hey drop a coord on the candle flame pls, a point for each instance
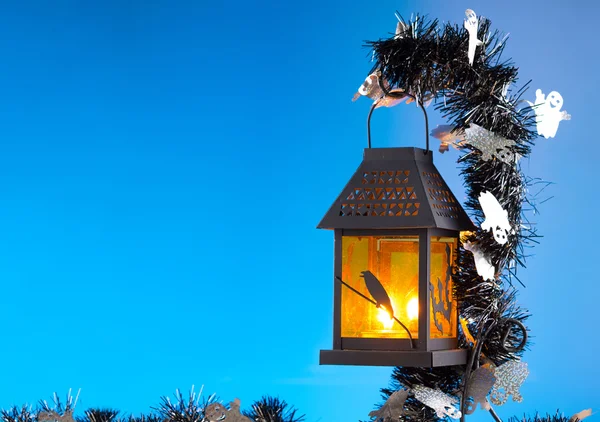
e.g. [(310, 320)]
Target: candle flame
[(412, 309)]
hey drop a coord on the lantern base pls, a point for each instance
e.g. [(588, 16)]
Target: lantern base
[(408, 358)]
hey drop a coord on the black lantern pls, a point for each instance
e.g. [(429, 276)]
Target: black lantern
[(396, 226)]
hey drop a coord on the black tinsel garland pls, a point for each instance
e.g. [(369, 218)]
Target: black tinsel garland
[(430, 61)]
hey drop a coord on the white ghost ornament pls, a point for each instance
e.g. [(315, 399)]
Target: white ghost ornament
[(496, 218), (442, 403), (484, 268), (471, 24), (547, 113)]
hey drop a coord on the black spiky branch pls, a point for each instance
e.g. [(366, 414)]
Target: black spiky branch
[(99, 415), (429, 60), (18, 414), (273, 409), (182, 410)]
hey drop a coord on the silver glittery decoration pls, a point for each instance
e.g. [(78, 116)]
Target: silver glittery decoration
[(490, 144), (393, 408), (481, 382), (442, 403), (509, 378)]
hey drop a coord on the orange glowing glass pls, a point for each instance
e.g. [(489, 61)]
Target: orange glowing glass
[(394, 261)]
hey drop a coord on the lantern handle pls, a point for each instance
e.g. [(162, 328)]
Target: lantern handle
[(412, 342), (397, 93)]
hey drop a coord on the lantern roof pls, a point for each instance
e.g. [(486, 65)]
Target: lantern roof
[(396, 188)]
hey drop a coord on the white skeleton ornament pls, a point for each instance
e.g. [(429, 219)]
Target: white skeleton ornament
[(471, 24), (547, 113), (442, 403), (496, 218)]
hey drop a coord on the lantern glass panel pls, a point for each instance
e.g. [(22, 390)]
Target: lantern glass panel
[(394, 261), (443, 312)]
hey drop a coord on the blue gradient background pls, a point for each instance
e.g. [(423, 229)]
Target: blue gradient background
[(163, 166)]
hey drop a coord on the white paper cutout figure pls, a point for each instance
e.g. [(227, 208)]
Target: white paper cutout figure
[(216, 412), (401, 28), (389, 101), (484, 268), (579, 416), (509, 378), (370, 87), (442, 403), (471, 24), (481, 382), (446, 137), (426, 100), (547, 113), (393, 408), (496, 218)]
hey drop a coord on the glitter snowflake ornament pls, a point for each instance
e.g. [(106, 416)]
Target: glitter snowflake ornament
[(509, 378), (393, 408), (442, 403), (490, 144), (496, 218), (471, 23), (547, 113), (481, 382)]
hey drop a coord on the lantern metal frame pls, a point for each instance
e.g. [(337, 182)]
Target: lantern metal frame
[(360, 210)]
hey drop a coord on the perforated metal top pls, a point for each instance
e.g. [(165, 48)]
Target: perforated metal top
[(395, 188)]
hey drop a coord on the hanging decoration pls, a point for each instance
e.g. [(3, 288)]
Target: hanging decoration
[(547, 113), (509, 378), (484, 267), (471, 23), (459, 67), (442, 403), (216, 412), (480, 384), (393, 408), (447, 137), (496, 218), (370, 88), (581, 415), (490, 144)]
